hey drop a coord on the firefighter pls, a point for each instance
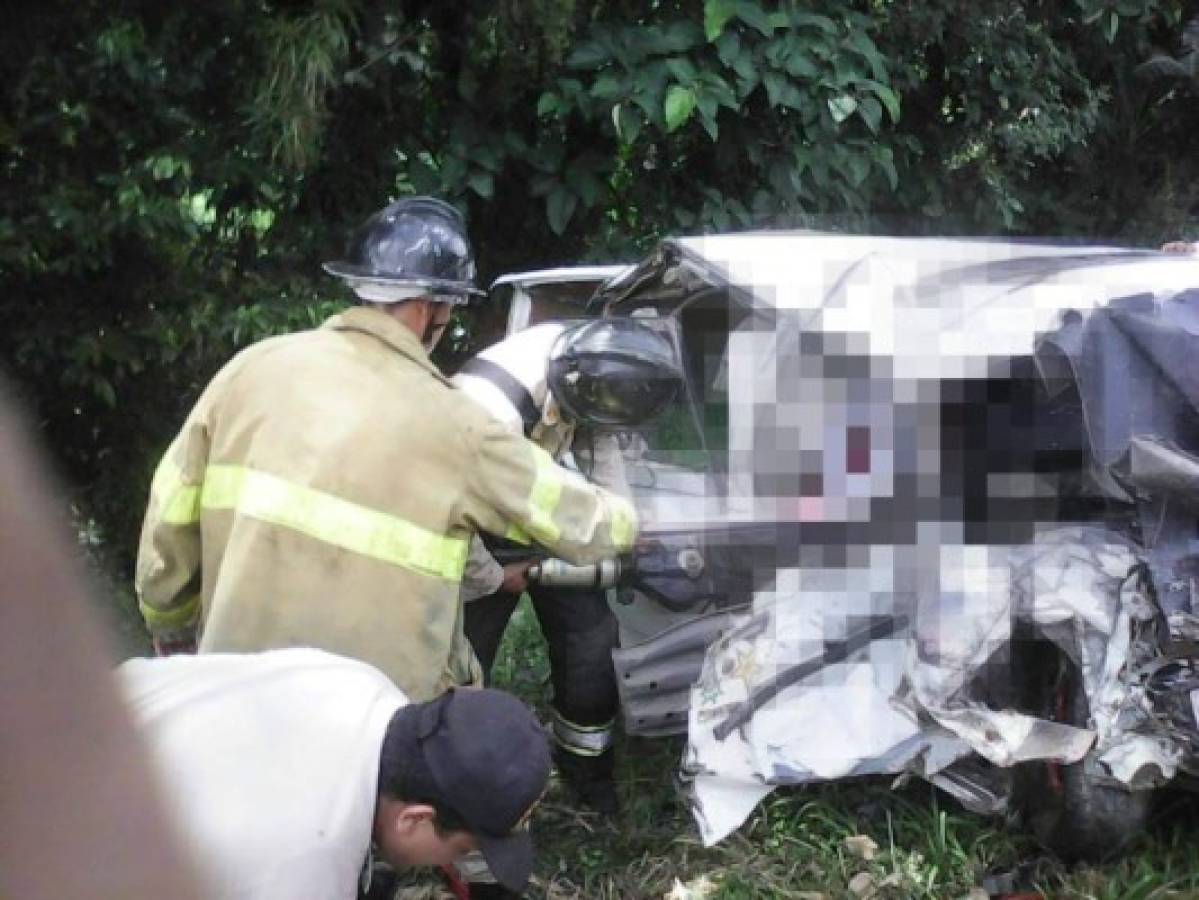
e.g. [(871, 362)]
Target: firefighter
[(325, 487), (569, 388)]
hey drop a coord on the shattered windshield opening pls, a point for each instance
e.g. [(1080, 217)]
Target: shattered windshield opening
[(693, 433)]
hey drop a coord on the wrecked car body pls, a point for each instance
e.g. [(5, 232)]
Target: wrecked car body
[(927, 508)]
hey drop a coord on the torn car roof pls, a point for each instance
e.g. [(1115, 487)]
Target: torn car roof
[(936, 305)]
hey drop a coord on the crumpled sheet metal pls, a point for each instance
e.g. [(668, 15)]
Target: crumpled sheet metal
[(839, 720), (1078, 587), (1133, 364), (654, 679), (907, 702)]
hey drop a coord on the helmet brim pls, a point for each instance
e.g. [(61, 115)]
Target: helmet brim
[(361, 276)]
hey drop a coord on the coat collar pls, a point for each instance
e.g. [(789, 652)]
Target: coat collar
[(383, 327)]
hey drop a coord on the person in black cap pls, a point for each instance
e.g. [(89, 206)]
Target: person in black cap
[(480, 761), (288, 770)]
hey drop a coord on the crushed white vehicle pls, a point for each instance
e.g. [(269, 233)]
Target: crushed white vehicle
[(928, 506)]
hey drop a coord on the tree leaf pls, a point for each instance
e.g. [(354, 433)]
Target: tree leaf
[(682, 69), (777, 50), (589, 55), (842, 107), (800, 65), (559, 207), (1113, 25), (716, 16), (824, 23), (488, 157), (163, 167), (649, 104), (728, 48), (871, 112), (886, 160), (453, 170), (104, 390), (746, 68), (630, 124), (859, 169), (775, 85), (587, 187), (424, 177), (751, 14), (547, 104), (680, 103), (681, 36), (607, 87), (865, 47), (627, 122), (482, 184), (779, 176), (719, 89), (888, 97)]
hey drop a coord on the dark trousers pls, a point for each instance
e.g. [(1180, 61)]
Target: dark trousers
[(581, 633)]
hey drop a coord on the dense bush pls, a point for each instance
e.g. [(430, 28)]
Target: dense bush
[(171, 175)]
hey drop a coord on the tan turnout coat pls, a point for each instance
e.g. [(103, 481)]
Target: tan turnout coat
[(323, 492)]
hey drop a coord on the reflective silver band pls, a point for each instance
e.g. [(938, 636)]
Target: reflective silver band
[(583, 740)]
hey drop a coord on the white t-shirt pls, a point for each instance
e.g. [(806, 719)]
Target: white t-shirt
[(270, 762)]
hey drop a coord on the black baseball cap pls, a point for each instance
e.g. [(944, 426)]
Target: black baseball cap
[(488, 759)]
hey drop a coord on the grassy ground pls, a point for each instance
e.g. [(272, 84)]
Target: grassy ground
[(860, 840), (855, 840)]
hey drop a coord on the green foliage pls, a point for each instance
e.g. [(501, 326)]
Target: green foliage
[(754, 112), (305, 59), (135, 227), (172, 175)]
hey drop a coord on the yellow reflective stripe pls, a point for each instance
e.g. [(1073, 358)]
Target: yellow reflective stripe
[(171, 619), (544, 498), (624, 523), (178, 503), (517, 535), (335, 521)]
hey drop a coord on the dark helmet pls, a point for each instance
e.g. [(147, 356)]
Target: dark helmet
[(414, 247), (614, 373)]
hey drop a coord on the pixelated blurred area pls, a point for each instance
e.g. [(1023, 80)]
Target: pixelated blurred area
[(880, 438)]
